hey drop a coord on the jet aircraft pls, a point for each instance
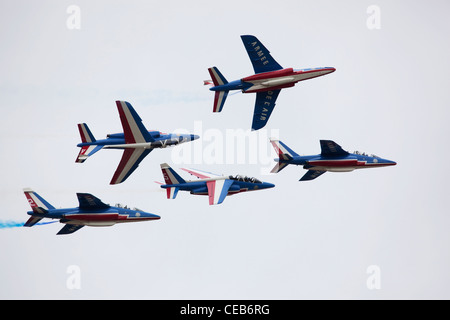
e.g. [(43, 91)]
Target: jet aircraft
[(215, 186), (270, 77), (332, 158), (90, 212), (136, 141)]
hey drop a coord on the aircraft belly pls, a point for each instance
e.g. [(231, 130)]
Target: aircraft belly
[(277, 81), (270, 84), (141, 145), (341, 169), (91, 223), (343, 166), (94, 217), (308, 75), (131, 219)]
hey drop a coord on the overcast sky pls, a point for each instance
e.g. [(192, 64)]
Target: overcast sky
[(389, 96)]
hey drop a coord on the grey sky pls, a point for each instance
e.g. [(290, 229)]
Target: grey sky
[(389, 96)]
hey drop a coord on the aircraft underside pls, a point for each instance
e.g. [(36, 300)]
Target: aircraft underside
[(346, 169), (258, 83)]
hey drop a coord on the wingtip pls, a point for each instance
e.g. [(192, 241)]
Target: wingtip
[(120, 103)]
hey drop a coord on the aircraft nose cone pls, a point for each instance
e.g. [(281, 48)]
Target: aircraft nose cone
[(386, 162), (391, 163), (194, 137), (267, 185), (147, 216)]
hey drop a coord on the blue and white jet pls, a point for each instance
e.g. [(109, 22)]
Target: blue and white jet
[(215, 186), (332, 158), (270, 77), (136, 141), (90, 212)]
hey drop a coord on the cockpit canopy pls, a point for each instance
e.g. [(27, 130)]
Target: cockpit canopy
[(119, 205), (244, 179), (365, 154)]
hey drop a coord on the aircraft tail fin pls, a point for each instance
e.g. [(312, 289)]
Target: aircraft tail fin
[(170, 176), (217, 77), (284, 153), (221, 95), (85, 133), (38, 204), (86, 137)]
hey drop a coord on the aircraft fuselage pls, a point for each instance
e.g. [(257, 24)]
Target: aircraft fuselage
[(100, 218), (273, 80), (339, 164), (117, 141), (199, 187)]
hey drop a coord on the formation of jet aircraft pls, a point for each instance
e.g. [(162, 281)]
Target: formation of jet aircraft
[(137, 142)]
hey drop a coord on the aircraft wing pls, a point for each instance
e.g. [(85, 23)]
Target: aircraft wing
[(201, 174), (331, 149), (312, 174), (129, 162), (260, 57), (70, 228), (133, 128), (88, 202), (218, 190), (264, 105)]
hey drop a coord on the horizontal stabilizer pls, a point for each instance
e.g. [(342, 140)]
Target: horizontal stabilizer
[(312, 174), (219, 96), (172, 192), (32, 221), (219, 100), (279, 166), (86, 152), (70, 228)]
